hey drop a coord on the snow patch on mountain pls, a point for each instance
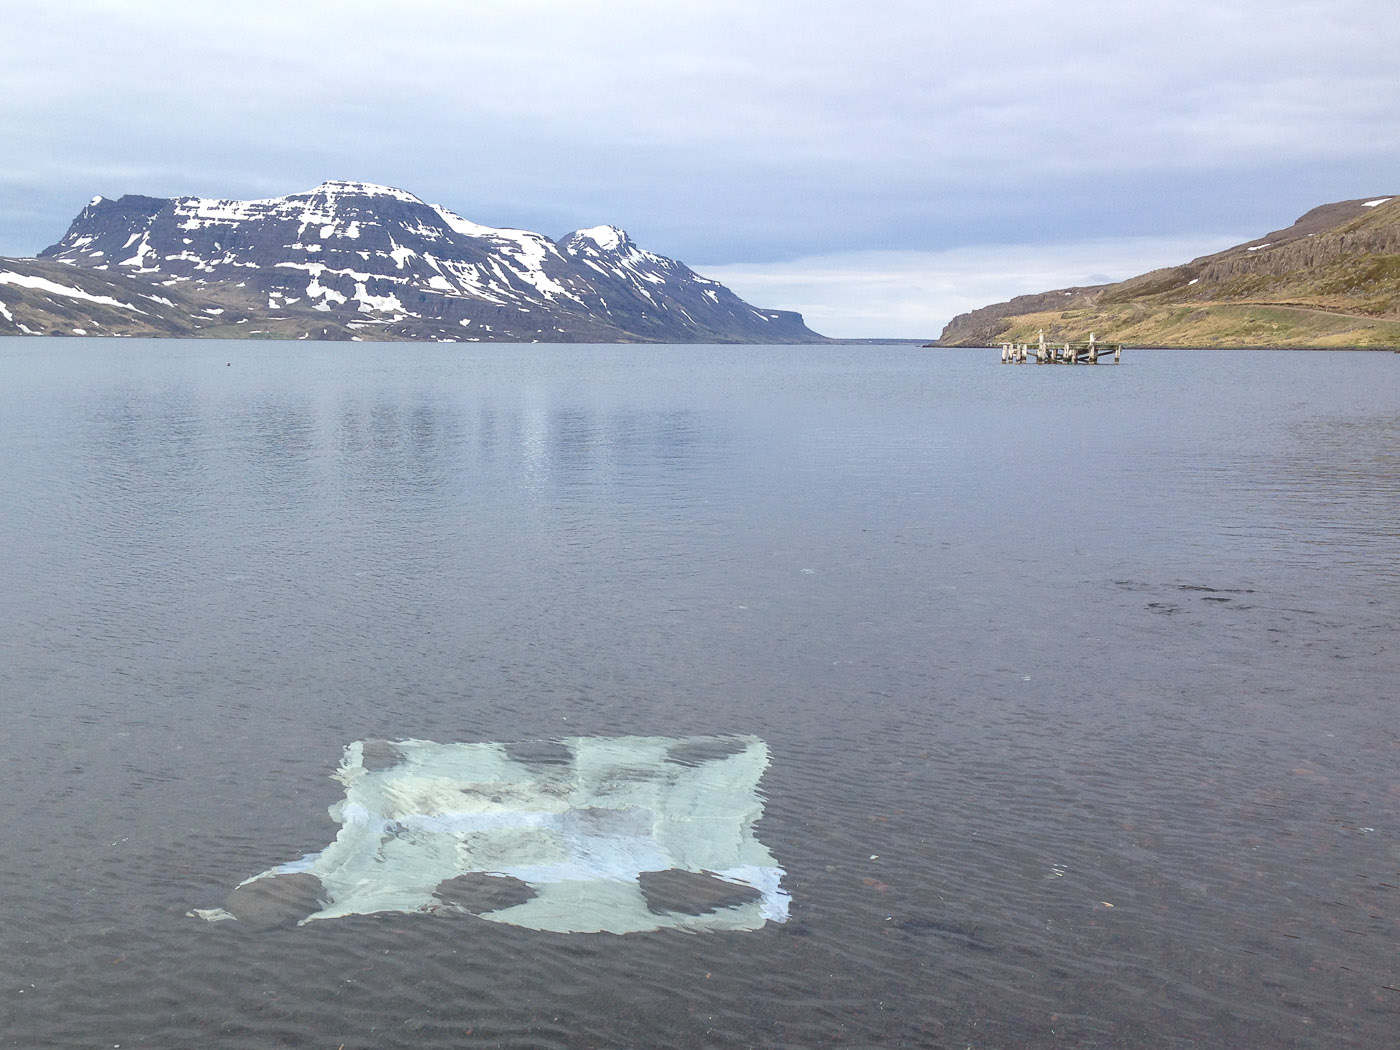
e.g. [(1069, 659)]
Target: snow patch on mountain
[(342, 187), (466, 228), (143, 252), (606, 238), (43, 284), (376, 303)]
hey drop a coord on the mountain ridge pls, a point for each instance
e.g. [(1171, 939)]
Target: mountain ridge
[(358, 260), (1331, 279)]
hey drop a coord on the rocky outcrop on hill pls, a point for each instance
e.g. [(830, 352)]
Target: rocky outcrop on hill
[(355, 260)]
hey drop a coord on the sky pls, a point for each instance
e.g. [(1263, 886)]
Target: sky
[(878, 165)]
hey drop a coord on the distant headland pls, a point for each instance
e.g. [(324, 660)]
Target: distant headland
[(1330, 280)]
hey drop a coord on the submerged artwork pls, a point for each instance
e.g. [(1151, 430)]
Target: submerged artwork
[(589, 834)]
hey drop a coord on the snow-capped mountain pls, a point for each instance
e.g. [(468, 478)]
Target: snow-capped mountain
[(354, 258)]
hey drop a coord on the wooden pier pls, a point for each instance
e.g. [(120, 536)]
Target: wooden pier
[(1085, 352)]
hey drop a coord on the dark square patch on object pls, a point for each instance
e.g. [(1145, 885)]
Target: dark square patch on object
[(697, 752), (539, 753), (479, 892), (379, 754), (278, 900), (680, 892)]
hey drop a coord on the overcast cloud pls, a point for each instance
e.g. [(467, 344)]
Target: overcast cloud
[(879, 165)]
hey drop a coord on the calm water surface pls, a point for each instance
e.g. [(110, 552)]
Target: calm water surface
[(1080, 683)]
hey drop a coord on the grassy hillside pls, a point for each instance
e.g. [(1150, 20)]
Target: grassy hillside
[(1332, 279), (1212, 325)]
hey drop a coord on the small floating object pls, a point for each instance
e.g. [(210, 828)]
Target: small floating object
[(584, 834)]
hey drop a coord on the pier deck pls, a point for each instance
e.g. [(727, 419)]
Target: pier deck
[(1074, 352)]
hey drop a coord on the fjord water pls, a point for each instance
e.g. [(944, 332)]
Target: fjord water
[(1079, 683)]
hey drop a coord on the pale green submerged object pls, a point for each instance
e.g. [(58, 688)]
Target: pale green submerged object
[(586, 834)]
